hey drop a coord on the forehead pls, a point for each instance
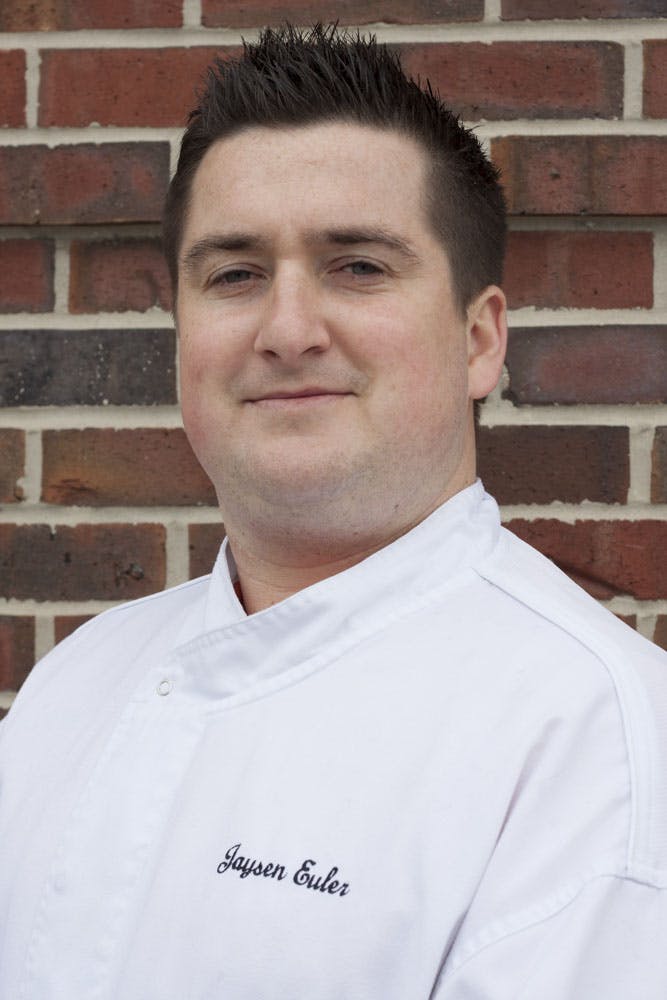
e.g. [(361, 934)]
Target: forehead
[(337, 173)]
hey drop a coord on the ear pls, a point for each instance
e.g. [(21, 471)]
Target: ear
[(487, 341)]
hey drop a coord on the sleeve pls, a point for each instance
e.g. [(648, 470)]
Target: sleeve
[(609, 942)]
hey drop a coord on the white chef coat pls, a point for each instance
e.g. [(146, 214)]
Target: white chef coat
[(439, 774)]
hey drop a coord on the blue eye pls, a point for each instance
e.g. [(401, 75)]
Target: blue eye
[(363, 267), (232, 277)]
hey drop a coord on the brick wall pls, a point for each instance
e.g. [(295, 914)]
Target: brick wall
[(101, 499)]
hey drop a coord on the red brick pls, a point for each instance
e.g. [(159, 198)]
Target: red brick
[(526, 80), (588, 364), (83, 184), (543, 464), (630, 620), (600, 270), (205, 541), (538, 10), (659, 475), (256, 13), (146, 467), (72, 15), (17, 650), (607, 558), (85, 562), (12, 466), (655, 78), (117, 275), (26, 276), (64, 625), (12, 87), (660, 633), (121, 86), (583, 175)]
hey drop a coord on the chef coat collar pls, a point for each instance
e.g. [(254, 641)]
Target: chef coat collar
[(237, 652)]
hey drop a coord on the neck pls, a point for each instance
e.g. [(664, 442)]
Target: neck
[(274, 565)]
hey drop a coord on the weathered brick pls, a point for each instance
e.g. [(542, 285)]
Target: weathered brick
[(117, 275), (87, 367), (83, 184), (64, 625), (17, 650), (12, 87), (599, 270), (660, 633), (145, 467), (655, 77), (659, 474), (121, 86), (204, 541), (26, 275), (538, 10), (526, 79), (256, 13), (12, 464), (583, 175), (73, 15), (607, 558), (588, 364), (85, 562), (542, 464)]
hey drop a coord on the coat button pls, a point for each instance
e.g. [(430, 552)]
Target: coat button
[(164, 687)]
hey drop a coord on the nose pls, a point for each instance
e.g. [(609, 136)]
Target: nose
[(293, 323)]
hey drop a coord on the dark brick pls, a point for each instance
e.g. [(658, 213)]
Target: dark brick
[(659, 474), (655, 77), (122, 86), (538, 10), (85, 562), (660, 633), (607, 558), (583, 175), (83, 184), (581, 270), (73, 15), (117, 275), (26, 275), (87, 367), (12, 87), (12, 465), (256, 13), (64, 625), (17, 650), (145, 467), (543, 464), (524, 79), (205, 541), (588, 364)]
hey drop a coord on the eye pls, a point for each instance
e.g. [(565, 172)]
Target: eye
[(363, 268), (236, 276)]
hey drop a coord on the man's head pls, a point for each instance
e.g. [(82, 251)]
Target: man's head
[(292, 79), (333, 339)]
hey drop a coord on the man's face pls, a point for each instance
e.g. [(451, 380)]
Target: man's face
[(323, 358)]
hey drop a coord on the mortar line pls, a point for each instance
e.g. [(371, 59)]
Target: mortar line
[(33, 60), (641, 445), (633, 80), (44, 635), (192, 13), (177, 553)]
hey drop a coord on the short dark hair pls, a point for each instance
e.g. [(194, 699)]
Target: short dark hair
[(293, 78)]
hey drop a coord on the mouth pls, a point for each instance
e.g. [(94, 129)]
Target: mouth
[(309, 396)]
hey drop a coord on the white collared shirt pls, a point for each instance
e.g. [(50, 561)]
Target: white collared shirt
[(439, 774)]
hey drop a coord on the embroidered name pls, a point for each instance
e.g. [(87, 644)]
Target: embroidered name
[(304, 876)]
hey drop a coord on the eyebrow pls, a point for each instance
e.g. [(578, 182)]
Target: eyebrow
[(235, 242)]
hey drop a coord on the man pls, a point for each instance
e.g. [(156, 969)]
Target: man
[(385, 750)]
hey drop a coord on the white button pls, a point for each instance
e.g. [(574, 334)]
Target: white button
[(164, 687)]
